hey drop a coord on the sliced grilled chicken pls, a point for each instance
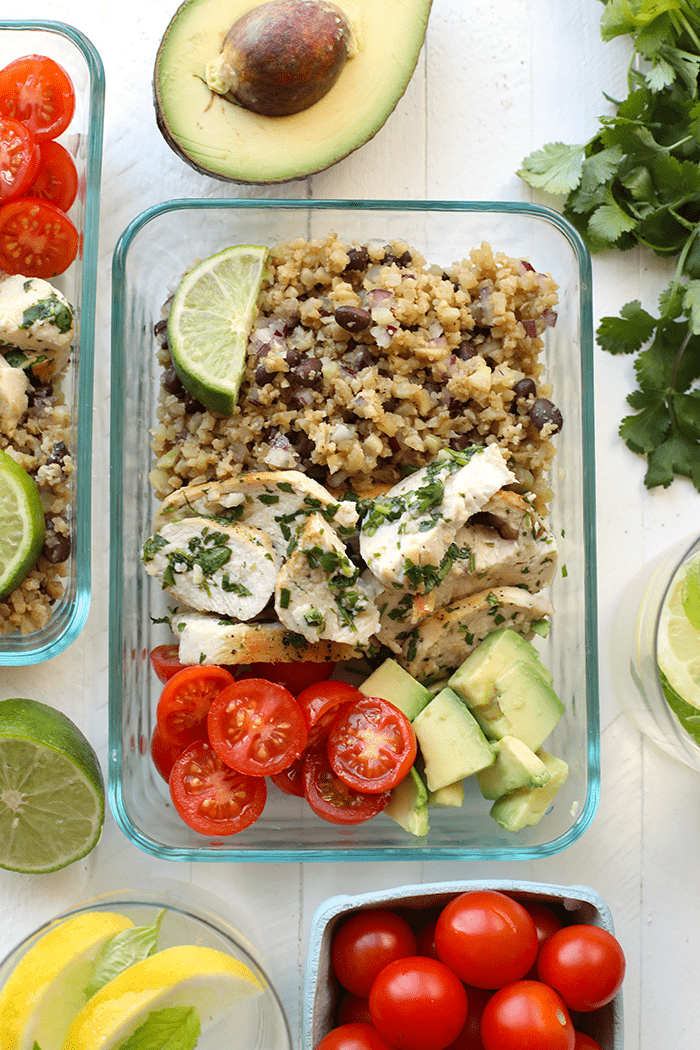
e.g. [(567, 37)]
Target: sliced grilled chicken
[(319, 593), (442, 641), (213, 567), (410, 530), (34, 315), (206, 638), (13, 396), (276, 501)]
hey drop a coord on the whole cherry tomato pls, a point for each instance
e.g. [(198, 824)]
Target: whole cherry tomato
[(365, 943), (355, 1036), (418, 1004), (584, 963), (526, 1015)]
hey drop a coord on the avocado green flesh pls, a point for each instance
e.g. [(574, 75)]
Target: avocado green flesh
[(221, 139)]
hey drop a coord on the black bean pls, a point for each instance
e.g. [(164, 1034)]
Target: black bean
[(171, 382), (359, 259), (56, 547), (405, 259), (58, 453), (262, 376), (353, 318), (466, 350), (292, 357), (192, 405), (525, 387), (160, 330), (308, 373), (460, 442), (544, 412), (39, 395)]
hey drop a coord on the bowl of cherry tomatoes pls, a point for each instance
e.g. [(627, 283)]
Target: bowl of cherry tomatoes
[(51, 131), (479, 965)]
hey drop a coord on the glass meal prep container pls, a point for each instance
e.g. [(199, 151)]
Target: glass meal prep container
[(83, 140), (149, 260)]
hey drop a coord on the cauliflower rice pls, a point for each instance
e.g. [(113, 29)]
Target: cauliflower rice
[(364, 362)]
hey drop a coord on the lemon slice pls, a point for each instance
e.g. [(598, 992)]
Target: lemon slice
[(22, 526), (678, 648), (210, 322), (45, 990), (190, 975)]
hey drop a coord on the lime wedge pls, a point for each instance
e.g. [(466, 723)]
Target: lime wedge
[(45, 990), (22, 527), (210, 321), (189, 975), (678, 647), (51, 788)]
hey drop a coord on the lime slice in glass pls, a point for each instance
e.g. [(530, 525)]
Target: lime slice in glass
[(678, 643), (51, 788), (22, 527), (210, 321)]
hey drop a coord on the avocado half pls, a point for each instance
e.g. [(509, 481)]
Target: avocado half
[(221, 139)]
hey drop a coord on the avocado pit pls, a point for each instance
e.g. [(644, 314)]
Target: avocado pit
[(283, 57)]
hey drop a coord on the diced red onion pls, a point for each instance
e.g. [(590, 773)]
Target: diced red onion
[(305, 396), (380, 297), (549, 317), (530, 327)]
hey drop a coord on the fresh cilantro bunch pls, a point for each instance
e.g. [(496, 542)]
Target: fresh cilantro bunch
[(637, 182)]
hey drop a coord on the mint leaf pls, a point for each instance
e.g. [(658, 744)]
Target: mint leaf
[(173, 1028), (122, 950), (687, 715), (555, 168)]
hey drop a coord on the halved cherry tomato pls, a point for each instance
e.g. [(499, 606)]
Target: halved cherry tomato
[(371, 745), (256, 727), (19, 159), (365, 943), (291, 779), (210, 797), (165, 661), (293, 676), (526, 1015), (57, 179), (418, 1004), (333, 800), (163, 754), (36, 238), (320, 704), (584, 963), (185, 701), (39, 92)]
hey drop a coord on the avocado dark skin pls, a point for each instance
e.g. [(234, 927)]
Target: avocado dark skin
[(286, 55)]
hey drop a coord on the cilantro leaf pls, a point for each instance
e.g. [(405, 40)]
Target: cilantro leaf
[(555, 168), (627, 333)]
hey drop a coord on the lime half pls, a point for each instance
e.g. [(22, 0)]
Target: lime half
[(22, 527), (678, 645), (210, 321), (51, 789)]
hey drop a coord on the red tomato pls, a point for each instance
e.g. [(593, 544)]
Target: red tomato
[(355, 1036), (426, 940), (418, 1004), (163, 754), (185, 701), (321, 702), (584, 963), (37, 239), (470, 1036), (526, 1015), (57, 179), (19, 159), (487, 938), (371, 745), (257, 727), (293, 676), (165, 662), (210, 797), (365, 943), (546, 921), (353, 1008), (585, 1042), (291, 779), (333, 800), (39, 92)]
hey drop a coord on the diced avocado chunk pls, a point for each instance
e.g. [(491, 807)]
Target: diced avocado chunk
[(526, 806), (449, 795), (508, 689), (391, 682), (408, 804), (450, 740), (516, 766)]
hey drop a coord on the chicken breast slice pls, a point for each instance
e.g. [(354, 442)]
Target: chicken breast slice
[(414, 525), (443, 641), (276, 501), (14, 384), (205, 638), (319, 592), (34, 315), (213, 567)]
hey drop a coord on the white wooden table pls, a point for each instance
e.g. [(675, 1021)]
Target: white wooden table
[(496, 79)]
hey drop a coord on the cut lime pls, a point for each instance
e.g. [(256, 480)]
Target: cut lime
[(45, 990), (22, 527), (678, 646), (210, 322), (189, 975), (51, 789)]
